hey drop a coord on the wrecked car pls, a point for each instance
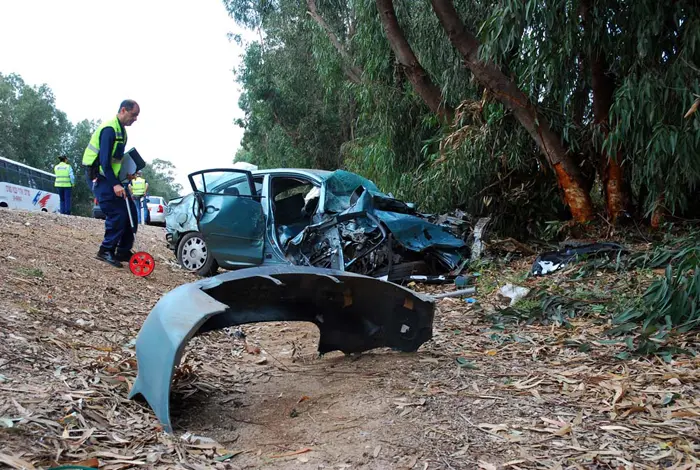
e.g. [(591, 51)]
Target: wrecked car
[(337, 220), (354, 313)]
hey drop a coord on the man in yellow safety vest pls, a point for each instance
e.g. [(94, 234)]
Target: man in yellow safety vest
[(139, 188), (103, 161), (65, 180)]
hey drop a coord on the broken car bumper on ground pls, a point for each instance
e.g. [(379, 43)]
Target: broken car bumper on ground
[(354, 313)]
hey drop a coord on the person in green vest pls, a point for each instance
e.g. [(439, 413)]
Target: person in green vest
[(139, 189), (65, 180), (102, 160)]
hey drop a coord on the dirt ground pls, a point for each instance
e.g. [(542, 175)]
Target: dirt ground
[(474, 397)]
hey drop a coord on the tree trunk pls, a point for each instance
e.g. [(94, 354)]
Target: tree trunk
[(353, 72), (416, 74), (568, 174), (617, 199), (657, 217)]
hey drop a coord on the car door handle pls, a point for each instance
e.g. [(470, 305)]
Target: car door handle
[(210, 209)]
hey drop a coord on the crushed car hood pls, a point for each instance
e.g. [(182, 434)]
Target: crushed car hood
[(352, 197)]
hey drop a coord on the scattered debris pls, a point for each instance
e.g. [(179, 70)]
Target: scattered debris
[(551, 261), (425, 279), (514, 293), (291, 454), (478, 236), (456, 293)]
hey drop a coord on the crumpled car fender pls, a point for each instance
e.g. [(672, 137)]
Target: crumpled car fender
[(354, 313)]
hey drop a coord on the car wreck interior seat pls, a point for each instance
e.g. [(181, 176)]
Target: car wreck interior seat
[(291, 212), (289, 217)]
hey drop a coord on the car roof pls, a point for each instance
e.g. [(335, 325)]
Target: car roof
[(320, 175)]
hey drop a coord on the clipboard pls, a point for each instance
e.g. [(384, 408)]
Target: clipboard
[(131, 163)]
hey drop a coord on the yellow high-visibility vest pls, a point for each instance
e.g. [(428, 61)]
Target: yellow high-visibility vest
[(93, 148), (138, 187), (62, 172)]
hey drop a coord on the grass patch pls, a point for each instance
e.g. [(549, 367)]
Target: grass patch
[(546, 308), (31, 272)]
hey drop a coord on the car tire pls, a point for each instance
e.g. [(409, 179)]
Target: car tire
[(193, 256)]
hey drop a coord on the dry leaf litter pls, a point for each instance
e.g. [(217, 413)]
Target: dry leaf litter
[(467, 399)]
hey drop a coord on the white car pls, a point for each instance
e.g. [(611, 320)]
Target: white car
[(156, 210)]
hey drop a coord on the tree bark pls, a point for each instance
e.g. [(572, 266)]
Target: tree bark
[(416, 74), (657, 217), (507, 92), (353, 72), (616, 195)]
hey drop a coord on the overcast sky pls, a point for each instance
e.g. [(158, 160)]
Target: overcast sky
[(172, 56)]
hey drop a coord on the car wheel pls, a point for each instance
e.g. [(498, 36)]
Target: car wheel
[(193, 255)]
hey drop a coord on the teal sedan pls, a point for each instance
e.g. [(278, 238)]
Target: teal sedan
[(338, 220)]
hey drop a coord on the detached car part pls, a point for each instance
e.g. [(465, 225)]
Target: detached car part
[(552, 261), (353, 313)]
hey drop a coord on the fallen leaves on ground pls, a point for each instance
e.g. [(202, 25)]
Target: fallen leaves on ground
[(476, 396)]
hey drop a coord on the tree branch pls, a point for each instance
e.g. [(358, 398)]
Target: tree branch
[(415, 72), (508, 93), (353, 72)]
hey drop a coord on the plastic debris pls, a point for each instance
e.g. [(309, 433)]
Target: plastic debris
[(513, 292), (457, 293)]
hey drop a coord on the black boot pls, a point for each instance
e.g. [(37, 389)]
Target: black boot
[(106, 255), (124, 256)]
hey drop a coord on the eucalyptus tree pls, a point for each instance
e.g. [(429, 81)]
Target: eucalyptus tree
[(619, 75), (494, 107)]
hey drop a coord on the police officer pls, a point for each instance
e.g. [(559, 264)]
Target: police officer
[(102, 159), (65, 180), (139, 188)]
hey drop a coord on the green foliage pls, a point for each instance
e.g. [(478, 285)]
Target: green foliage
[(546, 308), (32, 130), (675, 298), (290, 120), (31, 272), (76, 141), (652, 51), (645, 324), (672, 300), (681, 251), (302, 107), (160, 176)]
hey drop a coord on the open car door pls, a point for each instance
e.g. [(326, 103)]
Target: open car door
[(230, 216)]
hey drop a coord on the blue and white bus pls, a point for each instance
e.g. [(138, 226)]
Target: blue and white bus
[(26, 187)]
